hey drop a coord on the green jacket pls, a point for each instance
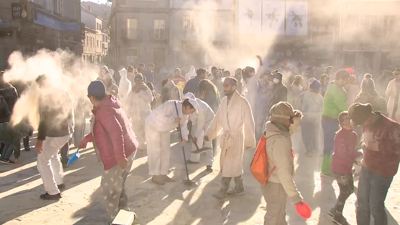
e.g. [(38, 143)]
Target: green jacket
[(335, 101)]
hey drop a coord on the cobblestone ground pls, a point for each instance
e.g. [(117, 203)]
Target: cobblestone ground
[(172, 204)]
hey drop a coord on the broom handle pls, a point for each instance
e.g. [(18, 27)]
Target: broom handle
[(183, 148)]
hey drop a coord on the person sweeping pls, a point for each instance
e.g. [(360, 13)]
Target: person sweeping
[(157, 128)]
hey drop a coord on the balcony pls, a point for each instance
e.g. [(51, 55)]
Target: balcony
[(161, 35), (105, 45)]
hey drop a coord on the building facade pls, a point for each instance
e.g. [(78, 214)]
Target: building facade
[(96, 37), (28, 26), (368, 38), (350, 33), (166, 33)]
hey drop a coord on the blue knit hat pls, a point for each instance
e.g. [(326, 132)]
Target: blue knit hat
[(97, 88), (316, 85)]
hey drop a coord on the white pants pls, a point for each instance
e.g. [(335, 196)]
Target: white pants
[(202, 143), (49, 165), (158, 151), (138, 126)]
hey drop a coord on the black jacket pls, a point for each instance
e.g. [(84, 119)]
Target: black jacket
[(279, 93), (10, 95), (56, 115)]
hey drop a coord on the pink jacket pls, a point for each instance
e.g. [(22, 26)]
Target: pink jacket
[(112, 132), (345, 152)]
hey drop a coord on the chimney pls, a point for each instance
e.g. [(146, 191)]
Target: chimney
[(89, 8)]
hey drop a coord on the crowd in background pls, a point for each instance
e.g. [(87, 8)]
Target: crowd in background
[(276, 94)]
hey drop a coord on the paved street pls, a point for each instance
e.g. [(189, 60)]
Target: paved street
[(172, 204)]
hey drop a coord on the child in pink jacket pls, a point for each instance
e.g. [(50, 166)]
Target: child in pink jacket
[(342, 163)]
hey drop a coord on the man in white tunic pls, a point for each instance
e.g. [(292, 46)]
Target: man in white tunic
[(235, 120), (140, 99), (158, 126), (201, 120)]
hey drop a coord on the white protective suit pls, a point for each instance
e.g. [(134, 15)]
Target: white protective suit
[(201, 120), (158, 126), (391, 93), (251, 87), (125, 87), (237, 125), (139, 110), (192, 73)]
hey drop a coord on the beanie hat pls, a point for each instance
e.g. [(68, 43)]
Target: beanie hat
[(97, 88), (282, 110), (316, 85), (359, 113), (278, 75), (139, 76)]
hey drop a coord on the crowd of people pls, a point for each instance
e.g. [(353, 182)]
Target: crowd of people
[(135, 109)]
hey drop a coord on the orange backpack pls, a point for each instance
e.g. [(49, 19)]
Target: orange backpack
[(259, 164)]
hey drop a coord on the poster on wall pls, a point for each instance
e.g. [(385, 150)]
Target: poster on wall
[(273, 18), (296, 18), (250, 16)]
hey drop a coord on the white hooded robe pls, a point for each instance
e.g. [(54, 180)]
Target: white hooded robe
[(236, 123)]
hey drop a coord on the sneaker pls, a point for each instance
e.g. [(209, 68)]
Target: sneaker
[(220, 195), (209, 169), (5, 161), (27, 149), (191, 162), (340, 220), (50, 197), (235, 192), (158, 180), (167, 179)]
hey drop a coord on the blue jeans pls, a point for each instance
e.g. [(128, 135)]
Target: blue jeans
[(7, 151), (329, 128), (371, 195)]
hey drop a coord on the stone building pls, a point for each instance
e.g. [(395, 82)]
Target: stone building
[(28, 26), (96, 37), (368, 38)]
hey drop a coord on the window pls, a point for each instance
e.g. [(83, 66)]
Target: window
[(131, 56), (389, 23), (159, 29), (187, 23), (131, 28)]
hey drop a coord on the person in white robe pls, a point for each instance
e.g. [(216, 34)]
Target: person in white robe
[(191, 74), (158, 125), (251, 79), (392, 95), (201, 120), (235, 121), (125, 87), (140, 99)]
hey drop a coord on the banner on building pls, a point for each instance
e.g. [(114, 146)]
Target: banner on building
[(250, 16), (273, 18), (296, 18)]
